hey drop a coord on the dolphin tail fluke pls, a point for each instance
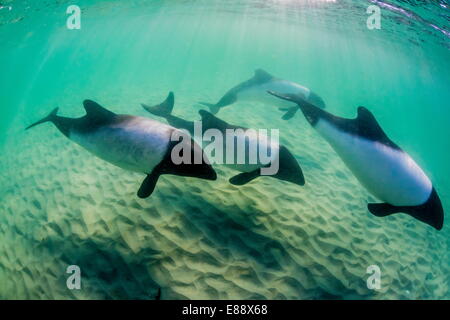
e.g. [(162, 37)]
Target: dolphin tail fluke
[(212, 107), (290, 112), (163, 109), (50, 118)]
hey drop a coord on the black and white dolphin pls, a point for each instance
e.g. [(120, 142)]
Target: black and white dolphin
[(381, 166), (288, 167), (133, 143), (255, 89)]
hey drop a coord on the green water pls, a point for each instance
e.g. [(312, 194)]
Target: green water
[(129, 52)]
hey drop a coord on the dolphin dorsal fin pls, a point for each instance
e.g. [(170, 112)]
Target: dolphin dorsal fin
[(211, 121), (262, 76), (368, 126), (97, 112)]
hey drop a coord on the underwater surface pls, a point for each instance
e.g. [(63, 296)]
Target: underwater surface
[(199, 239)]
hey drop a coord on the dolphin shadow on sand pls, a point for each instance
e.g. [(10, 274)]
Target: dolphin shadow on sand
[(105, 271)]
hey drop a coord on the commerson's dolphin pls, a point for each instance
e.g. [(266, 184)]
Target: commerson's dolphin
[(132, 143), (255, 89), (381, 166), (288, 167)]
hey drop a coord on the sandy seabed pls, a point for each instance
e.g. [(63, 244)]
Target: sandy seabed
[(198, 239)]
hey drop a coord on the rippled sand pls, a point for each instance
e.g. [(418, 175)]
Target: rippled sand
[(198, 239)]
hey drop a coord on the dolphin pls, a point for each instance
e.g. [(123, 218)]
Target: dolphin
[(289, 169), (133, 143), (380, 165), (255, 89)]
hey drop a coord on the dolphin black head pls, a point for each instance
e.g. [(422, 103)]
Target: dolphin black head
[(169, 165), (288, 170), (431, 212), (197, 164)]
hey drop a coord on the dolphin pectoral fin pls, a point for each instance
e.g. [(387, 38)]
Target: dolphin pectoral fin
[(290, 112), (245, 177), (382, 209), (148, 185), (430, 212)]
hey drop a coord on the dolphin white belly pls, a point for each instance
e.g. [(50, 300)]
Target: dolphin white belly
[(390, 174), (136, 144)]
